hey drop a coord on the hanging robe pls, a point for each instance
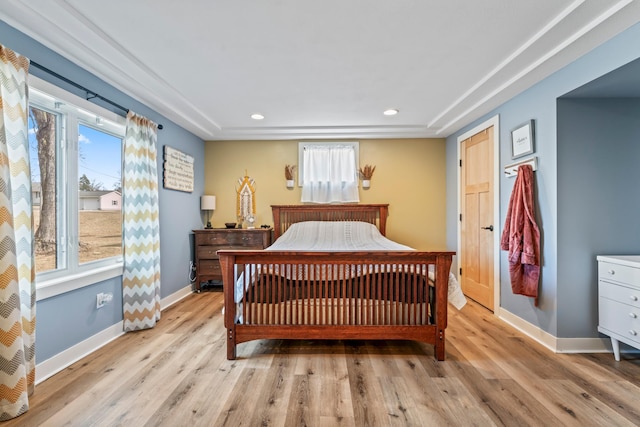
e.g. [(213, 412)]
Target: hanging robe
[(521, 236)]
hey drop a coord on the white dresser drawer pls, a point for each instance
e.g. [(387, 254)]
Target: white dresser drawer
[(620, 293), (619, 318), (619, 273), (619, 300)]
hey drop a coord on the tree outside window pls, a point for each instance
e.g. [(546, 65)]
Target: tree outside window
[(76, 162)]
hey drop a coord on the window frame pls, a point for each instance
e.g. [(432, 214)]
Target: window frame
[(72, 274)]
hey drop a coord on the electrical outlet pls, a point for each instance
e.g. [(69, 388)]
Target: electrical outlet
[(103, 298), (100, 300)]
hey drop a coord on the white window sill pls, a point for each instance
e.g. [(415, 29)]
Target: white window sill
[(60, 285)]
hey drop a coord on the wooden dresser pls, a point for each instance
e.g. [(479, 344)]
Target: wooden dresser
[(209, 242), (619, 300)]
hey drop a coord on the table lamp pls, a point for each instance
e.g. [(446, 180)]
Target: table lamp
[(208, 204)]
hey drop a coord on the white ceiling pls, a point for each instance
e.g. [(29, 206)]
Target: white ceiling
[(321, 69)]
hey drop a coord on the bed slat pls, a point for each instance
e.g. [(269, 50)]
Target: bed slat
[(307, 290)]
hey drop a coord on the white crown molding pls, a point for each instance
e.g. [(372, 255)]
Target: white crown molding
[(528, 70), (575, 29), (120, 69), (364, 132), (509, 60)]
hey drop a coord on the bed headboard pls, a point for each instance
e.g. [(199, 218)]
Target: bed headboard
[(285, 215)]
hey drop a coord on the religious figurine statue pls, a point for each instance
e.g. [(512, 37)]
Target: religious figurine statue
[(246, 202)]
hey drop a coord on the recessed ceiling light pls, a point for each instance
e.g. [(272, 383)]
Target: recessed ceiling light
[(257, 116), (390, 112)]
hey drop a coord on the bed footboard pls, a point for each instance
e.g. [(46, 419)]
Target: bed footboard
[(335, 295)]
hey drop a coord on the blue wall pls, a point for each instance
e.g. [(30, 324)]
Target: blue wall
[(67, 319), (559, 313), (598, 199)]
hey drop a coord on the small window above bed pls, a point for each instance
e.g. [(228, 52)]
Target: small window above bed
[(328, 172)]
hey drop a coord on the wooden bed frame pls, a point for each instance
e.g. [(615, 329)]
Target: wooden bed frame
[(334, 295)]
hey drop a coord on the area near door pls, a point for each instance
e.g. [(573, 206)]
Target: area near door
[(477, 228)]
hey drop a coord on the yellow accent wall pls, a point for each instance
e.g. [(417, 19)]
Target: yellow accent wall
[(410, 175)]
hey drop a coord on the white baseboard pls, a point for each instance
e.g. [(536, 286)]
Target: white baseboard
[(583, 345), (555, 344), (62, 360), (175, 297)]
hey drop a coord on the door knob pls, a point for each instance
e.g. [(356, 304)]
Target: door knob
[(490, 228)]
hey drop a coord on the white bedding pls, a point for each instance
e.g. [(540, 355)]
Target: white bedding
[(339, 236)]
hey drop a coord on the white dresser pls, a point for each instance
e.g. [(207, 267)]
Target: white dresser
[(619, 300)]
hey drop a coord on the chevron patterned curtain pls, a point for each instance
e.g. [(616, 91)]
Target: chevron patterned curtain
[(141, 280), (17, 270)]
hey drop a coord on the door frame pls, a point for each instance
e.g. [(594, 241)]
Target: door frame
[(495, 122)]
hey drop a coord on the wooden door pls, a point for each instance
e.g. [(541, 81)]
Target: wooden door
[(477, 227)]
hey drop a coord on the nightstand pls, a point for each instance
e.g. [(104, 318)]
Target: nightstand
[(209, 241)]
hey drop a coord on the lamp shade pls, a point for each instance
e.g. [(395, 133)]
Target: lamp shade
[(207, 203)]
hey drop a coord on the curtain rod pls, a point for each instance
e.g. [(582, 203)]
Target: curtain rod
[(89, 94)]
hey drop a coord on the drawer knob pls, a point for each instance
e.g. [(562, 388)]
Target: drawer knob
[(633, 315), (632, 332), (633, 298), (611, 272)]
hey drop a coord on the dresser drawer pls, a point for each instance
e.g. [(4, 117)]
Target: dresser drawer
[(232, 238), (208, 252), (246, 238), (209, 268), (620, 318), (620, 293), (619, 273), (211, 239)]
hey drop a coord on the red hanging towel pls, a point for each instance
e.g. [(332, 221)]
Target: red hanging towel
[(521, 236)]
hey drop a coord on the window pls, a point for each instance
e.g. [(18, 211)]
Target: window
[(76, 168), (329, 172)]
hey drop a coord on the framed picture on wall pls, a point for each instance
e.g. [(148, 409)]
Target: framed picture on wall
[(522, 140)]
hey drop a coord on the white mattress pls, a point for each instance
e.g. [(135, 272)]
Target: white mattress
[(335, 236), (340, 236)]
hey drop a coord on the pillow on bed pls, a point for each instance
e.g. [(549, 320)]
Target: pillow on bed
[(335, 236)]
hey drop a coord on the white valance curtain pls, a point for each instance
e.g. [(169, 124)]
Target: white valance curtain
[(330, 174)]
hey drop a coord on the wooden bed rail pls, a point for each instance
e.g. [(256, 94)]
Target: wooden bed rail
[(335, 295)]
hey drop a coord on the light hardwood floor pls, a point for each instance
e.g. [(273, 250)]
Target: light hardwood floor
[(177, 375)]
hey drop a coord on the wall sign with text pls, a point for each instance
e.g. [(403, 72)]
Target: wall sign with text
[(178, 170)]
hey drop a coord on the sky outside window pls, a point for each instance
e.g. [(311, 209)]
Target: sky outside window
[(100, 157)]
